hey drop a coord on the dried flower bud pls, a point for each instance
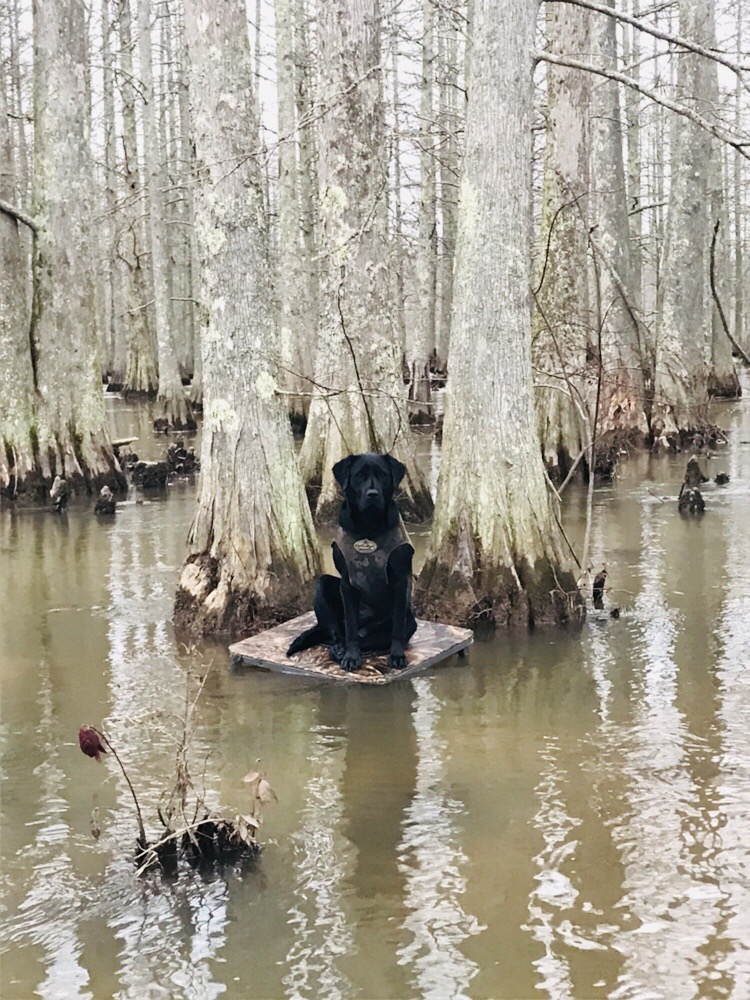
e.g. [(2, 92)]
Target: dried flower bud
[(90, 743)]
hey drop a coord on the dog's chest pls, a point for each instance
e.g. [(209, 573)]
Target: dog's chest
[(367, 561)]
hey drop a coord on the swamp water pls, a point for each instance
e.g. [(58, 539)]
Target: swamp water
[(557, 815)]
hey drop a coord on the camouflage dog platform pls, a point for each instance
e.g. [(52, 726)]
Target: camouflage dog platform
[(430, 644)]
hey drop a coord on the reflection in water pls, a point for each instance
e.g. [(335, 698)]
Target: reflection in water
[(587, 796), (555, 891), (322, 933), (432, 862), (148, 695), (676, 912), (53, 892), (733, 675)]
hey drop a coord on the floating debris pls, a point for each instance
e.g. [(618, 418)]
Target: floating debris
[(597, 591), (105, 503), (59, 494), (690, 501)]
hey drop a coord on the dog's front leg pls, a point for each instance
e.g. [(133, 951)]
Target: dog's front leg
[(399, 574), (352, 658)]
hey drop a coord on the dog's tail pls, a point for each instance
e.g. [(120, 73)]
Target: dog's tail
[(314, 636)]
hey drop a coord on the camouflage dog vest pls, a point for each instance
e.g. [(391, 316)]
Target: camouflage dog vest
[(367, 563)]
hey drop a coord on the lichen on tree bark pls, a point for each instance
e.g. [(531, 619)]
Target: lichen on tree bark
[(359, 403), (251, 550), (496, 550), (72, 437)]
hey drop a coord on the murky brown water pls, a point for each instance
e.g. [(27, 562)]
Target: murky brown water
[(558, 816)]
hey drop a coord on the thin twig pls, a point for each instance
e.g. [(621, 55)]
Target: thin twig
[(665, 36), (115, 754), (629, 81), (717, 300), (19, 215)]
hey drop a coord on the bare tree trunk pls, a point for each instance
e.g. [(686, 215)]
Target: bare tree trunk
[(258, 72), (21, 145), (423, 341), (72, 433), (172, 402), (112, 292), (251, 550), (140, 368), (739, 298), (686, 310), (307, 177), (722, 376), (496, 551), (359, 403), (17, 418), (632, 57), (617, 337), (198, 311), (562, 320), (180, 310), (395, 152), (451, 115), (297, 340)]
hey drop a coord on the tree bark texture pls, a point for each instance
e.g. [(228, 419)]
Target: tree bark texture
[(496, 551), (297, 321), (423, 337), (17, 402), (562, 320), (71, 432), (172, 402), (683, 355), (452, 121), (360, 400), (251, 549), (616, 340), (140, 367)]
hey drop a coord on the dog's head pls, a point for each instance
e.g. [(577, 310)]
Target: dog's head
[(369, 482)]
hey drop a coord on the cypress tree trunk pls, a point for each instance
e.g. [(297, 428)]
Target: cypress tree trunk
[(496, 551), (172, 402), (686, 312), (562, 319), (297, 340), (423, 340), (251, 549), (73, 437), (17, 418), (451, 114), (140, 365), (360, 400), (617, 337), (722, 377), (307, 182)]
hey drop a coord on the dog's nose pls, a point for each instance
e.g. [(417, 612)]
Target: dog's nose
[(372, 493)]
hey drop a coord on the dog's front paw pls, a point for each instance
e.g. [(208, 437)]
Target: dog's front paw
[(396, 661), (337, 652), (351, 662)]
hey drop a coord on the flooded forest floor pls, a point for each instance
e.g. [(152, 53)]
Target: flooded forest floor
[(558, 814)]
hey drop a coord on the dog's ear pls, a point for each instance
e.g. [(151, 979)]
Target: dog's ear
[(342, 469), (398, 469)]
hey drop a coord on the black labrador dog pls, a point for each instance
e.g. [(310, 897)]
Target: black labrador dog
[(367, 610)]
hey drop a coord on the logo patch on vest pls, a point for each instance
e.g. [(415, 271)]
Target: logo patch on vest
[(365, 545)]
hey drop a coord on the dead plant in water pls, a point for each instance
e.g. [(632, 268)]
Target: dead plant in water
[(191, 829)]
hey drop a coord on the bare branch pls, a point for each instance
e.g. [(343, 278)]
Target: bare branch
[(717, 300), (628, 81), (19, 215), (665, 36)]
